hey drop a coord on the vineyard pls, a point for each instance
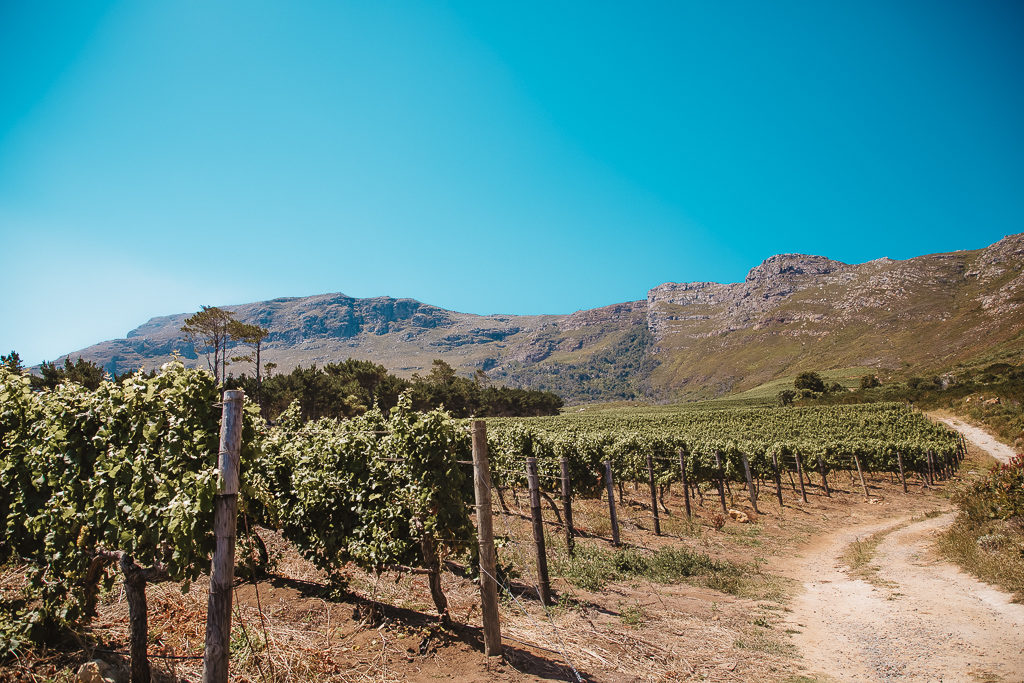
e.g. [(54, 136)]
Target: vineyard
[(124, 481), (722, 445)]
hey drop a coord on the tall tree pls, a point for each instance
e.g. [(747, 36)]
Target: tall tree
[(12, 362), (209, 330), (82, 371), (252, 336)]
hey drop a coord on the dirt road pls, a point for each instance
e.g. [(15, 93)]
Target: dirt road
[(919, 619), (980, 438)]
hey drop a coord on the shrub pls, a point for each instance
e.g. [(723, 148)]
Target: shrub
[(1000, 495), (810, 381)]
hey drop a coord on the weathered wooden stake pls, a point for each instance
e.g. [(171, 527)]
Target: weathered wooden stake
[(543, 582), (856, 460), (800, 476), (778, 477), (824, 481), (721, 480), (686, 484), (570, 533), (750, 483), (654, 494), (903, 476), (485, 536), (611, 501), (225, 514)]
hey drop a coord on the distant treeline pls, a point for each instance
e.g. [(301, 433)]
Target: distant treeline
[(353, 386), (342, 389)]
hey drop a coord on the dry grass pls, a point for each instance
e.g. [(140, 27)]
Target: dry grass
[(860, 555), (992, 550)]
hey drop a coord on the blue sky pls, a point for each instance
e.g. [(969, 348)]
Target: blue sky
[(516, 158)]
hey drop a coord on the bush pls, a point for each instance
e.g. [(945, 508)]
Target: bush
[(1000, 495), (987, 538), (809, 381), (869, 382)]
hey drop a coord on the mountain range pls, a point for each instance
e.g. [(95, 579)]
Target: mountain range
[(792, 313)]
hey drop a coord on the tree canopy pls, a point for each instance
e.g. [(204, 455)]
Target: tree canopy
[(352, 387), (811, 381), (82, 371)]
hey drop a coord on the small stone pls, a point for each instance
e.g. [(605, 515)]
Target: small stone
[(739, 516), (99, 671)]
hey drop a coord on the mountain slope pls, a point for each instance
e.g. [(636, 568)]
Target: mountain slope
[(700, 339), (795, 313)]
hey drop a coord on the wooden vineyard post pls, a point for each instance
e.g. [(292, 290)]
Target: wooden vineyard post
[(778, 477), (570, 533), (800, 476), (856, 460), (611, 501), (485, 536), (824, 481), (686, 483), (225, 514), (654, 494), (721, 482), (750, 483), (543, 582), (903, 476), (931, 470)]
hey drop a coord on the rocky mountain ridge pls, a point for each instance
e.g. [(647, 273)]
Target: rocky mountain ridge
[(693, 339)]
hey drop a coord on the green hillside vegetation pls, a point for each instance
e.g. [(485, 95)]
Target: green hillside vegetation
[(338, 390), (351, 388), (768, 392), (616, 369)]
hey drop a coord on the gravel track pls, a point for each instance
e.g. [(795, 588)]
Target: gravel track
[(980, 438), (922, 619)]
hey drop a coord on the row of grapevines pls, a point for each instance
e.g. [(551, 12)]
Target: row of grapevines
[(131, 468), (715, 442), (367, 490)]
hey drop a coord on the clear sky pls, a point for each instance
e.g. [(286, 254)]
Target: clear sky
[(485, 157)]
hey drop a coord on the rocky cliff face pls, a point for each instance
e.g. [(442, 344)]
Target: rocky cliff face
[(793, 312), (808, 312)]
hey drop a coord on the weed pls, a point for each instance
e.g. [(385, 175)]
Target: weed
[(633, 616), (591, 568)]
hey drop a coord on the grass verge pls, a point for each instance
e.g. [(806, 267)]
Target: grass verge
[(991, 550), (860, 554), (592, 568), (987, 537)]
